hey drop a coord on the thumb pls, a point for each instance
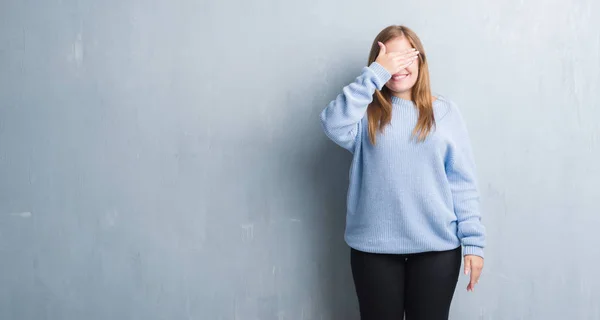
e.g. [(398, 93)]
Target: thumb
[(382, 49), (467, 265)]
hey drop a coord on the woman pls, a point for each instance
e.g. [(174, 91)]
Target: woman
[(412, 200)]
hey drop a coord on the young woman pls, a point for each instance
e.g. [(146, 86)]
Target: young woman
[(412, 200)]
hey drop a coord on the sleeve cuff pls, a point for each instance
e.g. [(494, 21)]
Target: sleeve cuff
[(381, 74), (473, 250)]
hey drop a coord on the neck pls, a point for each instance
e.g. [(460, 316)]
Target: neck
[(403, 95)]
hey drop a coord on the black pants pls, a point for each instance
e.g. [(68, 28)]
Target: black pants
[(421, 285)]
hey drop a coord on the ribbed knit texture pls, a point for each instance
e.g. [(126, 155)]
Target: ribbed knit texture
[(405, 196)]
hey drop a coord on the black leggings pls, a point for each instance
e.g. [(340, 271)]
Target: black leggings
[(422, 285)]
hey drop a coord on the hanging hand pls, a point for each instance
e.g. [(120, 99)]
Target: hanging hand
[(473, 266)]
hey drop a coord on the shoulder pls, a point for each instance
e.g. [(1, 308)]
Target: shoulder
[(447, 111), (443, 107)]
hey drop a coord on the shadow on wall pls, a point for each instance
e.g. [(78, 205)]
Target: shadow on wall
[(317, 173), (329, 171)]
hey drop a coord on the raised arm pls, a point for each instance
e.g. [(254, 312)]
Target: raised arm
[(341, 118)]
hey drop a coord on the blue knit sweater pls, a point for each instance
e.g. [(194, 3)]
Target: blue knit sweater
[(405, 196)]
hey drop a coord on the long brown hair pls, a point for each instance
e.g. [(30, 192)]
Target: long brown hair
[(380, 110)]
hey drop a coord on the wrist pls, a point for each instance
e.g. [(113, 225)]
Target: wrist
[(473, 251), (381, 74)]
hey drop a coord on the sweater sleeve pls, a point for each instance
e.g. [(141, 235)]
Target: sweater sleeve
[(341, 118), (461, 172)]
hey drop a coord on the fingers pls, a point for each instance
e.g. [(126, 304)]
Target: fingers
[(404, 66), (468, 271), (403, 63), (407, 58), (406, 61), (406, 53), (467, 265), (396, 61), (397, 54), (473, 266), (475, 273)]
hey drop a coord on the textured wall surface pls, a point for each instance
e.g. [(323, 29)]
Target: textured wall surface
[(164, 160)]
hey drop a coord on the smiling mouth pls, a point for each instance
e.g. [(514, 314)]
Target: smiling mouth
[(400, 76)]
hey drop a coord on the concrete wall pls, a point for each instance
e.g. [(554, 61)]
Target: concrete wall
[(164, 160)]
